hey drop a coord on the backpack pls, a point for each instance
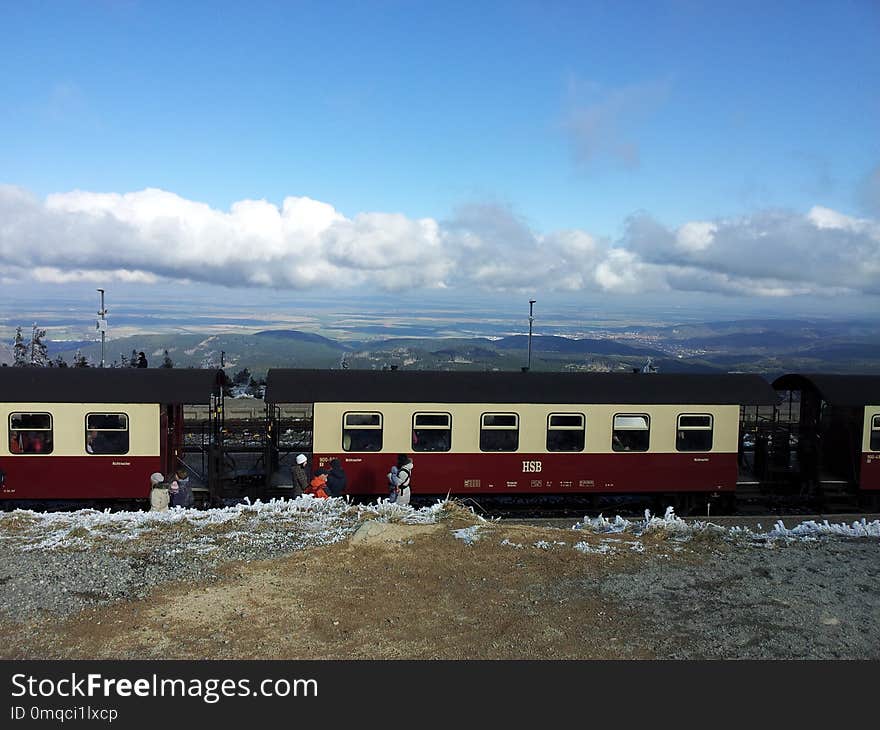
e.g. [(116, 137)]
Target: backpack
[(402, 478)]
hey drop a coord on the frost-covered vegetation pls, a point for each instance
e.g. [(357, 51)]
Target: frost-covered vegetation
[(307, 521), (673, 525)]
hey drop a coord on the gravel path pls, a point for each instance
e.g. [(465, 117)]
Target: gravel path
[(817, 600), (59, 583)]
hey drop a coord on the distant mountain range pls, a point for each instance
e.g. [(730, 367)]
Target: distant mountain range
[(750, 345)]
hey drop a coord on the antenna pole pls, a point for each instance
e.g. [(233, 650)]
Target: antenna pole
[(531, 319), (102, 325)]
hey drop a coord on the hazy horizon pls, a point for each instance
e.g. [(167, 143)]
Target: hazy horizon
[(70, 313), (650, 162)]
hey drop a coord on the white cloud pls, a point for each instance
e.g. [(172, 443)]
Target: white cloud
[(154, 235), (695, 236), (53, 275)]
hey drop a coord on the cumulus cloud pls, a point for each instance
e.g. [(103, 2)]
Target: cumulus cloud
[(154, 235), (771, 253)]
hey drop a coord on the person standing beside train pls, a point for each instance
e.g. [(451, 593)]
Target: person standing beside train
[(392, 484), (336, 480), (182, 496), (300, 474), (159, 497), (404, 478)]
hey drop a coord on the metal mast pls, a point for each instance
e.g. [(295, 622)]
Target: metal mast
[(102, 325), (531, 319)]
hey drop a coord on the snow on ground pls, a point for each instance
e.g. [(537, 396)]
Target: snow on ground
[(308, 521), (312, 521), (469, 535), (673, 526)]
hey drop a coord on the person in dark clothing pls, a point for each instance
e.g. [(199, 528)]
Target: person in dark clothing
[(336, 482), (300, 474), (142, 360), (182, 496)]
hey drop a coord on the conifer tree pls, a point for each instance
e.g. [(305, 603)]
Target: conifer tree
[(20, 350), (167, 362), (39, 351), (80, 361)]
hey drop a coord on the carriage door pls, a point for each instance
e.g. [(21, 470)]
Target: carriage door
[(171, 428), (163, 438), (3, 446)]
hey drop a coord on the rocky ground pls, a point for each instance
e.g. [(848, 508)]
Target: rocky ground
[(312, 579)]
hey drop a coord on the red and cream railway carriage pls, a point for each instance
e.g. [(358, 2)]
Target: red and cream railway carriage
[(92, 434), (527, 433)]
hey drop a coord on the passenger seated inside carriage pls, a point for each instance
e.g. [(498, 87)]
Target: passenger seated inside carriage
[(424, 439), (30, 442)]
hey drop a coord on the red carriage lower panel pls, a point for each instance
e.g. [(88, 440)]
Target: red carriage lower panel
[(78, 477), (870, 476), (548, 473)]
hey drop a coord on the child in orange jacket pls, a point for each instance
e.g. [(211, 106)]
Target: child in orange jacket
[(318, 484)]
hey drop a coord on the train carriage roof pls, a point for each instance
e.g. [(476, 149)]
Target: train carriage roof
[(107, 385), (421, 386), (838, 390)]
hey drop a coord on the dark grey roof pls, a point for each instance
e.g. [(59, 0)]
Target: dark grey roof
[(838, 390), (107, 385), (421, 386)]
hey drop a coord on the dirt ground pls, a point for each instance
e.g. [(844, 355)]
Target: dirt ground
[(396, 591), (401, 591)]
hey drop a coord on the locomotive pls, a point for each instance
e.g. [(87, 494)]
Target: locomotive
[(95, 435)]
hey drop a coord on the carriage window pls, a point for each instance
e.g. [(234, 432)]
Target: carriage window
[(30, 433), (566, 432), (106, 433), (499, 432), (694, 433), (362, 432), (875, 433), (432, 432), (632, 432)]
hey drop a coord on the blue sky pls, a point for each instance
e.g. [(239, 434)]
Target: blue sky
[(505, 123)]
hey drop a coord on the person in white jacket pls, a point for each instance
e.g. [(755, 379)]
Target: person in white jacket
[(404, 478), (159, 497)]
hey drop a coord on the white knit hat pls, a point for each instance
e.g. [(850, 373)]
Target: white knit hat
[(156, 478), (301, 459)]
